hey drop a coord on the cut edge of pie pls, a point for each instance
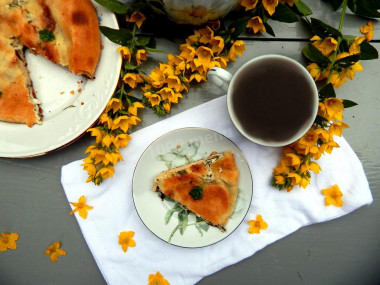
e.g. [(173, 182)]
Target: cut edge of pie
[(76, 45), (218, 177)]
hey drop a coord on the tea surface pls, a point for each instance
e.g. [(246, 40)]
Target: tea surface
[(272, 101)]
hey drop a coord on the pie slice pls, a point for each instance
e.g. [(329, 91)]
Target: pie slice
[(64, 31), (207, 187)]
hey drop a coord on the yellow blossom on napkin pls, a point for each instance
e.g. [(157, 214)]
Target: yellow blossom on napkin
[(257, 225), (81, 207), (54, 251), (8, 241), (157, 279), (333, 196), (125, 240)]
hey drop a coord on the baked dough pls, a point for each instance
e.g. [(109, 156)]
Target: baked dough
[(217, 175), (76, 45)]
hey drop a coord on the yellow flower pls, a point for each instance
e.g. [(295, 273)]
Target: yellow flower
[(315, 71), (167, 107), (136, 17), (206, 35), (256, 24), (334, 106), (338, 78), (291, 159), (96, 132), (105, 172), (140, 56), (8, 241), (168, 94), (121, 140), (81, 207), (249, 4), (295, 178), (237, 48), (187, 52), (333, 196), (106, 120), (157, 279), (107, 140), (132, 109), (54, 251), (279, 179), (204, 55), (354, 47), (132, 79), (326, 46), (270, 6), (122, 122), (174, 82), (125, 240), (328, 146), (96, 154), (114, 104), (197, 77), (289, 2), (167, 69), (336, 128), (308, 140), (154, 99), (367, 30), (257, 225), (217, 44), (222, 62), (192, 39), (91, 171), (157, 77), (350, 71), (126, 53)]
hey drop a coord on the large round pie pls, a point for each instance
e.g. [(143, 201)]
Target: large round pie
[(64, 31)]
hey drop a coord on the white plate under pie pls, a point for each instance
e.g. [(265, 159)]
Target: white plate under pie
[(71, 103), (176, 148)]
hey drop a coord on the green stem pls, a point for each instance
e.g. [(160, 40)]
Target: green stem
[(339, 40)]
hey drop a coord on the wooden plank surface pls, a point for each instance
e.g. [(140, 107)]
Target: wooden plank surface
[(343, 251)]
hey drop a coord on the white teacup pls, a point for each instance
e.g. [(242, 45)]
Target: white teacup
[(272, 99)]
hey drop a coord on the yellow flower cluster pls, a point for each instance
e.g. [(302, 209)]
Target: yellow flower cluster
[(202, 51), (328, 47), (296, 164), (119, 116)]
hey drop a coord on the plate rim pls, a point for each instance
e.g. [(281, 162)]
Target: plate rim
[(249, 201), (58, 147)]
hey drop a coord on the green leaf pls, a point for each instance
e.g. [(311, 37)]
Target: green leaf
[(367, 51), (130, 66), (348, 103), (46, 35), (336, 4), (314, 55), (269, 29), (121, 36), (143, 41), (326, 91), (114, 6), (239, 26), (182, 221), (347, 61), (323, 30), (155, 50), (365, 8), (303, 8), (202, 224), (284, 14)]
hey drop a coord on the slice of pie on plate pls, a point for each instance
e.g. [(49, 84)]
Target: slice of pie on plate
[(207, 187), (64, 31)]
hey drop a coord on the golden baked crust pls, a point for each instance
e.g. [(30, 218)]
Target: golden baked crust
[(76, 45), (216, 175)]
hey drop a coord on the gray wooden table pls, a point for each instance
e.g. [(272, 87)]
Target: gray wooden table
[(342, 251)]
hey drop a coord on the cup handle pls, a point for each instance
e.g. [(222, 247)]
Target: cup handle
[(220, 77)]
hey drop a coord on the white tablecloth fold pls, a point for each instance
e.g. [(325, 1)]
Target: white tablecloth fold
[(284, 212)]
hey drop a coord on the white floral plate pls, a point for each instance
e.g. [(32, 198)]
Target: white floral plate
[(166, 219), (70, 103)]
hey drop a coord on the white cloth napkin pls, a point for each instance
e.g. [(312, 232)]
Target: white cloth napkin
[(284, 212)]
